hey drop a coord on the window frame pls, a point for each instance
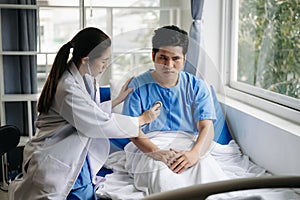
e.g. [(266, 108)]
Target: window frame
[(280, 105)]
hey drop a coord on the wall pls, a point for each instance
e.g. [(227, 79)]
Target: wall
[(268, 140), (212, 15)]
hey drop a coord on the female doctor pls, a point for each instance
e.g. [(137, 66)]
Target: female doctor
[(71, 145)]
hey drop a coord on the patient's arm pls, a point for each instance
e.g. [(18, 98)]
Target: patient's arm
[(205, 138), (190, 158), (145, 144)]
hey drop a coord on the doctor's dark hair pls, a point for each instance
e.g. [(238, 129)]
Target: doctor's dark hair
[(91, 42), (170, 36)]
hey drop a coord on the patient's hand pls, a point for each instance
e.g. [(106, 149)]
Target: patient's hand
[(164, 155), (184, 161)]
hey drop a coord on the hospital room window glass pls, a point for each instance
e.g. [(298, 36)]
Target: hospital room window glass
[(58, 2), (96, 17), (57, 25), (131, 40), (130, 24), (269, 48), (124, 3)]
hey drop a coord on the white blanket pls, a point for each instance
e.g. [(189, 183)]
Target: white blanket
[(137, 175)]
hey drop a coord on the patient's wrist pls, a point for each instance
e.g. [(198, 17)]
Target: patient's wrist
[(196, 151)]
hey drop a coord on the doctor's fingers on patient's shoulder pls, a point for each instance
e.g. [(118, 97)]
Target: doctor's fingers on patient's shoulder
[(127, 82), (125, 87), (125, 90)]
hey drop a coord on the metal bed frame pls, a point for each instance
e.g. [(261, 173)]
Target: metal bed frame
[(202, 191)]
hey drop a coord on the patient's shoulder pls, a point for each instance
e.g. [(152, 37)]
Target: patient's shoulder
[(141, 80), (190, 78)]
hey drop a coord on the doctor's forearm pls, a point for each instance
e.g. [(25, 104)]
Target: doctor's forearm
[(115, 102)]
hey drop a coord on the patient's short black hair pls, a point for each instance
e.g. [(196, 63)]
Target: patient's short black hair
[(170, 36)]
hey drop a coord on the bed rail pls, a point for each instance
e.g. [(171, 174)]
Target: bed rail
[(202, 191)]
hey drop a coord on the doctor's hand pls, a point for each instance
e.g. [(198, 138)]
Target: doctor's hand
[(186, 160), (149, 115), (123, 93)]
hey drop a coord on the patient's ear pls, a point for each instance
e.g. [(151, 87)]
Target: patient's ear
[(153, 56)]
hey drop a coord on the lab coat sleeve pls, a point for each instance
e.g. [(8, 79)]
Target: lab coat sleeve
[(90, 120), (106, 107)]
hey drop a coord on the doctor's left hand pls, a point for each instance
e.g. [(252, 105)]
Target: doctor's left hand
[(123, 93)]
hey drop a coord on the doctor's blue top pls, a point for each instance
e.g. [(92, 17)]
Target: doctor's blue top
[(183, 105)]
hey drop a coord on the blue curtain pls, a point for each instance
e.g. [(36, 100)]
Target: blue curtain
[(19, 33), (195, 59)]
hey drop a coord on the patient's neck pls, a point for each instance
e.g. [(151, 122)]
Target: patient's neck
[(164, 81)]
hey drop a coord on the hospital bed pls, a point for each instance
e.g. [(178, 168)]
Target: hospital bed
[(255, 185), (203, 191)]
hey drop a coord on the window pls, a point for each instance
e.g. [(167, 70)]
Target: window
[(266, 59), (130, 24)]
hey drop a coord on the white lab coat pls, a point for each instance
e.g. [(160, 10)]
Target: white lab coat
[(75, 128)]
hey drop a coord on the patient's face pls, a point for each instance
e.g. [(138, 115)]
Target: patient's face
[(168, 61)]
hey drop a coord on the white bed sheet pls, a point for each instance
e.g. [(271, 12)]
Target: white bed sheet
[(136, 175)]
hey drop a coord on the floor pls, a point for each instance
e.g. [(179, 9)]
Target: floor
[(3, 195)]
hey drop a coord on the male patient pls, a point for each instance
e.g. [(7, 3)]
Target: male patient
[(186, 108)]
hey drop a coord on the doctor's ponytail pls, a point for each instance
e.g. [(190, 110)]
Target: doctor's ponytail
[(58, 68), (89, 42)]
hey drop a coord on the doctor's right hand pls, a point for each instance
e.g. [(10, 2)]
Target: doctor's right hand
[(149, 115)]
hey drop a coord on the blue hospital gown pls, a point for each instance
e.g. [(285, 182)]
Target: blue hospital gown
[(183, 105)]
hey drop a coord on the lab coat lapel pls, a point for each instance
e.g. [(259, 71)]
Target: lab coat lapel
[(78, 78)]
